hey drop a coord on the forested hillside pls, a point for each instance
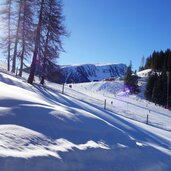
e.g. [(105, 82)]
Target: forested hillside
[(158, 89)]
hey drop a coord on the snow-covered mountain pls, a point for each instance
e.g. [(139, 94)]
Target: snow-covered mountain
[(91, 72)]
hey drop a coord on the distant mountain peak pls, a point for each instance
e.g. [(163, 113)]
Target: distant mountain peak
[(91, 72)]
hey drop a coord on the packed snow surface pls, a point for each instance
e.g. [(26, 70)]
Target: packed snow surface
[(42, 129)]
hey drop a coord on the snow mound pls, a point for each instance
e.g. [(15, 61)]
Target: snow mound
[(20, 142)]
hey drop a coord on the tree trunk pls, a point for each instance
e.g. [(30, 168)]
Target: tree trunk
[(37, 43), (46, 50), (22, 59), (42, 80), (9, 36), (44, 59), (23, 43), (16, 41)]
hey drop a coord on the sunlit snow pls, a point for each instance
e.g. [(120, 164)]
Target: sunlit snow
[(42, 129)]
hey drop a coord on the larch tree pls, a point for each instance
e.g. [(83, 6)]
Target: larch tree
[(26, 32), (37, 44), (16, 38), (48, 41), (52, 32), (6, 16)]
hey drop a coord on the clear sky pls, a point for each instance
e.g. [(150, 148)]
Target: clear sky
[(115, 31)]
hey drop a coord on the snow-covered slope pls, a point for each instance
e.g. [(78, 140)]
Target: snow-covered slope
[(134, 107), (42, 129), (90, 72)]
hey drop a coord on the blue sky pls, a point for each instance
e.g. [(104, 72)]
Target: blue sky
[(115, 31)]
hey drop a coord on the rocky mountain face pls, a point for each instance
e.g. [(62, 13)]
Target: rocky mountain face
[(80, 73), (91, 72)]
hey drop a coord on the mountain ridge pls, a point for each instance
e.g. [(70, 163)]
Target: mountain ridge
[(91, 72), (80, 73)]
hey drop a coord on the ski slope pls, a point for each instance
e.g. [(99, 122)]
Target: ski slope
[(134, 107), (42, 129)]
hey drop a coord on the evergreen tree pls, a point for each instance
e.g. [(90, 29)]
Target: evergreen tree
[(128, 75), (155, 89), (131, 80), (148, 63), (149, 87), (142, 64), (168, 61), (157, 85)]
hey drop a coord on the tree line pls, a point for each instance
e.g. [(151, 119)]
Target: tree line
[(158, 88), (31, 28)]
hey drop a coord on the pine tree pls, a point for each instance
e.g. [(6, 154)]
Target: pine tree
[(142, 64), (128, 75), (168, 61), (157, 85), (131, 80), (149, 87)]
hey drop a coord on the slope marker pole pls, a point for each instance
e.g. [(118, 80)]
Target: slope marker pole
[(63, 88), (105, 104), (147, 119)]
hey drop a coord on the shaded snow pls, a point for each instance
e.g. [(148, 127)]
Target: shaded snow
[(17, 141)]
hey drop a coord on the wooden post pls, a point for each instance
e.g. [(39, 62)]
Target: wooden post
[(63, 88), (16, 71), (105, 104), (147, 119)]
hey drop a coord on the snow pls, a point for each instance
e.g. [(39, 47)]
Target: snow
[(42, 129), (19, 142), (144, 73)]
